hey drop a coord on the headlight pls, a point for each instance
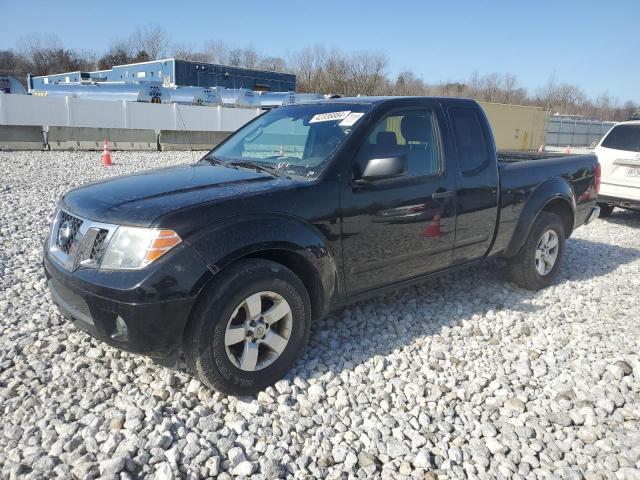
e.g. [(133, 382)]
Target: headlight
[(133, 247)]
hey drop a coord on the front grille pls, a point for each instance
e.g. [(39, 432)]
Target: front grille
[(67, 231), (98, 244), (79, 243)]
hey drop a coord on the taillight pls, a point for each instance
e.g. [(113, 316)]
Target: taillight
[(596, 184)]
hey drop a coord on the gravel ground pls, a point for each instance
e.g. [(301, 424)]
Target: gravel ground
[(466, 376)]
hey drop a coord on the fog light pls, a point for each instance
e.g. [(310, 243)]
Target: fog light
[(122, 333)]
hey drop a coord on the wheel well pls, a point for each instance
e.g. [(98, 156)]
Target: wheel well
[(294, 262), (303, 269), (562, 209)]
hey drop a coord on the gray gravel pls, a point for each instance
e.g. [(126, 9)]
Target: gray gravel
[(467, 376)]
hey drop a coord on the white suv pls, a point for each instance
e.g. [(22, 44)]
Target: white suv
[(619, 155)]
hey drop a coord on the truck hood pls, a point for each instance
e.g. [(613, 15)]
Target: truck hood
[(141, 198)]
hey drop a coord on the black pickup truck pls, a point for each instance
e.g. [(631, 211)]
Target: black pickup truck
[(302, 210)]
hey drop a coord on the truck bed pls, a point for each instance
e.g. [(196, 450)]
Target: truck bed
[(518, 171), (521, 173), (516, 156)]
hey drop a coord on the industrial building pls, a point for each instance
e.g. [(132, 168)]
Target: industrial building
[(175, 72), (10, 84)]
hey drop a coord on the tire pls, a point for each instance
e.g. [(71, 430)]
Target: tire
[(524, 266), (225, 312), (605, 210)]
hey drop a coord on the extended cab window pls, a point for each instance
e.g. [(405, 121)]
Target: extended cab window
[(470, 140), (413, 134), (623, 137)]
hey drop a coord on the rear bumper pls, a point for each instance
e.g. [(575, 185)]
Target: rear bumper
[(619, 191), (631, 204), (134, 324)]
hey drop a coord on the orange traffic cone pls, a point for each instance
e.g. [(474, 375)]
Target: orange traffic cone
[(433, 229), (106, 154)]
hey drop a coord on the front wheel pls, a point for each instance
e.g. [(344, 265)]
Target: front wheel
[(538, 261), (249, 328)]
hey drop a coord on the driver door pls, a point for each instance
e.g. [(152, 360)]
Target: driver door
[(399, 228)]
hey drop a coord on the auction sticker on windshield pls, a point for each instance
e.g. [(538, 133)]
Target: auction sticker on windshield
[(350, 119), (330, 116)]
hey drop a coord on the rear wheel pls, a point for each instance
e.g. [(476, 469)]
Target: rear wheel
[(538, 261), (605, 210), (250, 327)]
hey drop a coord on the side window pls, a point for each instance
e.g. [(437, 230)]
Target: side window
[(470, 140), (413, 134)]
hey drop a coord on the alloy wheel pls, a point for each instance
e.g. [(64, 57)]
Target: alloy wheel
[(258, 331), (546, 252)]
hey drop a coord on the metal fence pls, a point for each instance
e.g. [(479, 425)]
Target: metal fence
[(563, 132), (75, 112)]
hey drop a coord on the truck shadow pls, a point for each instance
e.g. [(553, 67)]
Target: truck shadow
[(585, 259), (627, 218), (377, 327)]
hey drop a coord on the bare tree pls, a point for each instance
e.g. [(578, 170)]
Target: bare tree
[(334, 74), (234, 57), (186, 51), (121, 52), (628, 110), (367, 72), (333, 71), (408, 84), (450, 89), (604, 105), (35, 51), (548, 94), (43, 55), (510, 87), (274, 64), (217, 51), (9, 61), (151, 39), (249, 58), (307, 64)]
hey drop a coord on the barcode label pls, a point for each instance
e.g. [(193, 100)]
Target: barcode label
[(329, 117)]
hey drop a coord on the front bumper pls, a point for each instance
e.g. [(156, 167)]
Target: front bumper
[(140, 312)]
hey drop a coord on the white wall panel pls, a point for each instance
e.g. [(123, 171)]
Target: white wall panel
[(73, 112)]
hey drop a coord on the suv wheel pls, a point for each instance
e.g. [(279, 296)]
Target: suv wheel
[(605, 210), (538, 261), (250, 327)]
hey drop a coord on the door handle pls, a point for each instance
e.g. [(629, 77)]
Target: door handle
[(446, 194)]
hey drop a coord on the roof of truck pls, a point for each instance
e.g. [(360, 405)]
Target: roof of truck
[(373, 100), (378, 99)]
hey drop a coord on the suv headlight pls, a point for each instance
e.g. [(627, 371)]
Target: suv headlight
[(133, 247)]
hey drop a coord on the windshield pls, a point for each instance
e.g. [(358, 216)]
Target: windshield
[(623, 137), (294, 140)]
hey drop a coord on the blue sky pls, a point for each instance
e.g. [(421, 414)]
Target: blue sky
[(588, 43)]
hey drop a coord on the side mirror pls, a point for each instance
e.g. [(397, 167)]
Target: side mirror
[(383, 168)]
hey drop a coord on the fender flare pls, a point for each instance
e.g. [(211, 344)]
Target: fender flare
[(250, 235), (555, 188)]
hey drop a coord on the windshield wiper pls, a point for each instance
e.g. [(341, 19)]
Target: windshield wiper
[(249, 164), (213, 160)]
